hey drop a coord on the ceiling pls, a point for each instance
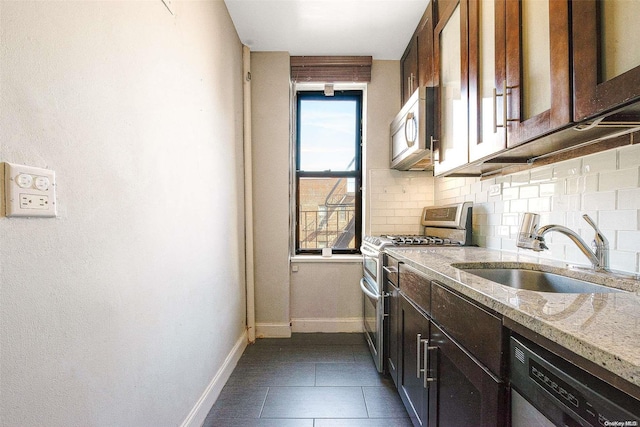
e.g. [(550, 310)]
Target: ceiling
[(378, 28)]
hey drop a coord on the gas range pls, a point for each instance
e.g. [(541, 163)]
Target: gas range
[(448, 225)]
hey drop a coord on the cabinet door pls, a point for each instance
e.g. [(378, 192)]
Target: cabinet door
[(452, 66), (463, 393), (393, 334), (606, 58), (415, 332), (538, 87), (409, 68), (424, 35), (486, 78)]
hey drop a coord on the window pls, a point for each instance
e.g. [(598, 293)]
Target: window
[(328, 172)]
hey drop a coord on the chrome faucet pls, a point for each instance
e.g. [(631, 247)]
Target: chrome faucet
[(532, 237)]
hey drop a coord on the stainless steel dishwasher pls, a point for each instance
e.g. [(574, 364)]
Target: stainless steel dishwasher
[(546, 390)]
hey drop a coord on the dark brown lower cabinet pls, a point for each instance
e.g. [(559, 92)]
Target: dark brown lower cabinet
[(413, 388), (463, 393)]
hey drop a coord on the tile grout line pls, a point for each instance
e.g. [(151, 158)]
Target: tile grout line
[(365, 402), (264, 402)]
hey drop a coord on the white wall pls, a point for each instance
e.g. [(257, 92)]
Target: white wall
[(270, 135), (123, 309), (324, 296), (394, 199), (606, 186)]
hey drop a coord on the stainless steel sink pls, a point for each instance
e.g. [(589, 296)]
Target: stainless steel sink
[(541, 281)]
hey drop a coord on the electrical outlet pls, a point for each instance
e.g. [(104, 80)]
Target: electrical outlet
[(495, 190), (29, 191), (32, 201)]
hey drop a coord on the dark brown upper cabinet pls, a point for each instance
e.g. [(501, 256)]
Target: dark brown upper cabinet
[(606, 57), (537, 92), (417, 62), (409, 68), (451, 71)]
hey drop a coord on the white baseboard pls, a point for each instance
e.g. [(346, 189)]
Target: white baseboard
[(202, 407), (273, 330), (348, 324)]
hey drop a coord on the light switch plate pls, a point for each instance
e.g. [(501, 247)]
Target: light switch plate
[(29, 191)]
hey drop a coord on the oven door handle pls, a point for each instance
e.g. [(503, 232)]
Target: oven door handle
[(366, 290), (368, 252)]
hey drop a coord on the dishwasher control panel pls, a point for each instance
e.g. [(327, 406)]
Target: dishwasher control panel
[(564, 393)]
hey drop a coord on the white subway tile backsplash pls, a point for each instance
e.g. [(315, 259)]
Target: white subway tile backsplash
[(541, 174), (511, 219), (451, 193), (566, 203), (581, 184), (567, 168), (521, 178), (600, 162), (629, 156), (550, 189), (481, 197), (503, 231), (557, 217), (624, 261), (628, 241), (509, 245), (493, 242), (396, 200), (618, 220), (599, 201), (494, 219), (499, 206), (383, 212), (605, 185), (625, 178), (541, 204), (519, 205), (529, 191), (629, 199), (511, 193)]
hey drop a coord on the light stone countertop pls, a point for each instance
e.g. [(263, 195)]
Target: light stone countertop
[(602, 327)]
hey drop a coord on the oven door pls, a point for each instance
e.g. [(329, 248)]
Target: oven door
[(373, 314)]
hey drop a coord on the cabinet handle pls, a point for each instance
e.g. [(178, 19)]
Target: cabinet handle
[(427, 348), (425, 360), (418, 342), (504, 95), (495, 110), (390, 270), (411, 79), (432, 140)]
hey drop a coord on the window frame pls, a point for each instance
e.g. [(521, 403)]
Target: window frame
[(358, 96)]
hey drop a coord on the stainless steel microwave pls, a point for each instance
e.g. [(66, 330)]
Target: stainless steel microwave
[(412, 132)]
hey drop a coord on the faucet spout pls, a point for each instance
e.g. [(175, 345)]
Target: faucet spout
[(532, 237), (575, 238)]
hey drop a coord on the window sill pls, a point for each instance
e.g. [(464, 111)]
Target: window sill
[(355, 258)]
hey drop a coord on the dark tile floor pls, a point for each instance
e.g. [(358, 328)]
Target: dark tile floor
[(308, 380)]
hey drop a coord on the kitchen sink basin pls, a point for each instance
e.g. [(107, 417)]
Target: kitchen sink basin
[(541, 281)]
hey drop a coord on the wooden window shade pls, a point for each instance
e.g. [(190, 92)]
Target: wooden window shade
[(331, 69)]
